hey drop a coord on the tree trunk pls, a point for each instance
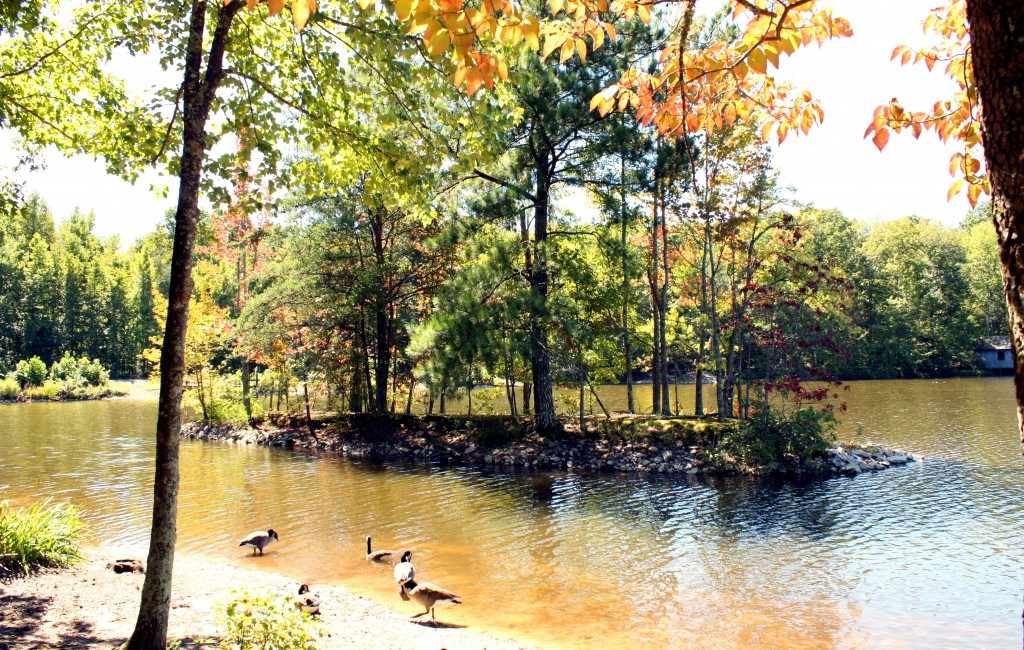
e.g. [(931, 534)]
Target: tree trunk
[(666, 406), (444, 391), (996, 32), (624, 243), (309, 412), (383, 363), (246, 380), (583, 401), (655, 312), (408, 401), (545, 420), (198, 92)]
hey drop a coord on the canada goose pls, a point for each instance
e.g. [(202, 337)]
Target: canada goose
[(404, 572), (429, 595), (378, 556), (259, 540), (306, 602)]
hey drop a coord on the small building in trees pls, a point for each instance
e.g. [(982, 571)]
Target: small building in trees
[(994, 353)]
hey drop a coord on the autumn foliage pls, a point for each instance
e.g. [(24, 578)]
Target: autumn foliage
[(957, 118)]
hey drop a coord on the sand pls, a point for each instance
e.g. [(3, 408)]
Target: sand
[(90, 606)]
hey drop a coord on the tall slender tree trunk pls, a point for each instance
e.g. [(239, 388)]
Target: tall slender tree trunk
[(627, 353), (198, 92), (444, 392), (246, 382), (583, 401), (698, 405), (309, 411), (666, 406), (524, 238), (997, 29), (655, 309), (545, 420)]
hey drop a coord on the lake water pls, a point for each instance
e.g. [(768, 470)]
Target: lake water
[(925, 556)]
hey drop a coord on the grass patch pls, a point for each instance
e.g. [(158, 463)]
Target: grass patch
[(44, 535)]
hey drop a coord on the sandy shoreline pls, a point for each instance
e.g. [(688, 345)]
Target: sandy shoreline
[(90, 606)]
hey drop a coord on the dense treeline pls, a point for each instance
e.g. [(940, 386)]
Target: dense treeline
[(374, 301), (65, 291)]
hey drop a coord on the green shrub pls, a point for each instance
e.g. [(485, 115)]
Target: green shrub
[(228, 412), (42, 536), (10, 389), (50, 390), (264, 621), (766, 438), (66, 370), (31, 372), (78, 372), (93, 372)]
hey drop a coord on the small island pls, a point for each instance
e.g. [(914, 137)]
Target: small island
[(68, 379), (622, 443)]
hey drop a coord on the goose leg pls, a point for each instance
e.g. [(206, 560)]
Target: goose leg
[(432, 614)]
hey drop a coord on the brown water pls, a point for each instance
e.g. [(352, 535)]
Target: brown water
[(926, 556)]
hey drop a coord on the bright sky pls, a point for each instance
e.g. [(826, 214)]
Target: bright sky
[(833, 166)]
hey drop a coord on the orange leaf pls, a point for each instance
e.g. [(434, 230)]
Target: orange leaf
[(973, 191), (730, 114), (881, 138), (275, 6)]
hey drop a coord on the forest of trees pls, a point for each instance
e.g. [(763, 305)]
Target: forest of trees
[(368, 301)]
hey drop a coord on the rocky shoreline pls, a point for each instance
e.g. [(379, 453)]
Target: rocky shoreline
[(576, 453)]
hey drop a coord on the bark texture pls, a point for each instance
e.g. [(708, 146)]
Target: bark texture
[(151, 626), (997, 42)]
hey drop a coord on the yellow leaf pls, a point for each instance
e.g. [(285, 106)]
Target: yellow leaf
[(568, 49), (954, 189), (502, 70), (610, 28), (275, 6), (366, 4), (581, 47), (300, 14), (403, 8), (439, 43), (598, 38), (556, 6), (551, 43), (758, 62), (531, 32)]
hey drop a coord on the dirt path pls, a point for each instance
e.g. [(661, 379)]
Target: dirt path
[(93, 607)]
